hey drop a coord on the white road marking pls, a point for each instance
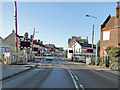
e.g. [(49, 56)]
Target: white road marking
[(73, 75), (72, 72), (82, 87), (75, 83), (76, 77)]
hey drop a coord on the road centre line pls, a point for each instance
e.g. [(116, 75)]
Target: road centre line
[(82, 87), (75, 83), (74, 76), (73, 73)]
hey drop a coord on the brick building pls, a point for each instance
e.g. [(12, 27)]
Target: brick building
[(9, 41), (110, 31)]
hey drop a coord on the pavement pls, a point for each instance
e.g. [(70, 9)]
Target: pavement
[(105, 69), (12, 70), (7, 71), (99, 68)]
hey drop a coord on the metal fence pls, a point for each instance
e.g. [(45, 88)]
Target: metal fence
[(16, 58)]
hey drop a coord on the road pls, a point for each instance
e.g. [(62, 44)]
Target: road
[(62, 74)]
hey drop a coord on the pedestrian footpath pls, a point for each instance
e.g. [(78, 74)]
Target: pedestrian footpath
[(103, 68), (99, 68), (11, 70), (7, 71)]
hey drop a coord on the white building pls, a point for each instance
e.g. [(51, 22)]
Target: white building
[(79, 49)]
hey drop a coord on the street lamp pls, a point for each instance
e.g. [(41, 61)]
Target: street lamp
[(96, 36)]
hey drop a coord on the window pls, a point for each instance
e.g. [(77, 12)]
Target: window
[(106, 35)]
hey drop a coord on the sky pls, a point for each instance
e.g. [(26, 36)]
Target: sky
[(55, 22)]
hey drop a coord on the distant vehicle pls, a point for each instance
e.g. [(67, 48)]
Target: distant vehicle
[(80, 58), (49, 57)]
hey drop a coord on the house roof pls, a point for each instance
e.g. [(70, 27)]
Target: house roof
[(78, 40), (19, 36), (71, 39), (82, 43), (108, 23), (1, 38), (50, 45), (7, 36), (14, 34), (36, 43), (87, 45)]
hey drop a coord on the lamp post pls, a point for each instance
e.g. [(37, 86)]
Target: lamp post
[(96, 36)]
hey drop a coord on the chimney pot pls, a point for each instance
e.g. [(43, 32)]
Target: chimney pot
[(117, 10), (117, 4)]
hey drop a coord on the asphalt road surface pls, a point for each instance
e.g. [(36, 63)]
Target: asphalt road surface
[(62, 74)]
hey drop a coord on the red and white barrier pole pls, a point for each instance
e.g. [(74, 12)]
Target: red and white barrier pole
[(32, 39), (16, 46)]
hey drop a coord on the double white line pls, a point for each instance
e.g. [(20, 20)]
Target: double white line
[(73, 78)]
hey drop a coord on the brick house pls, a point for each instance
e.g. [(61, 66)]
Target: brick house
[(10, 42), (1, 39), (110, 31)]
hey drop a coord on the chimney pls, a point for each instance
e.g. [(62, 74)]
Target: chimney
[(35, 40), (26, 35), (13, 31), (41, 42), (117, 10), (73, 37), (38, 40), (31, 36), (87, 39), (79, 37)]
